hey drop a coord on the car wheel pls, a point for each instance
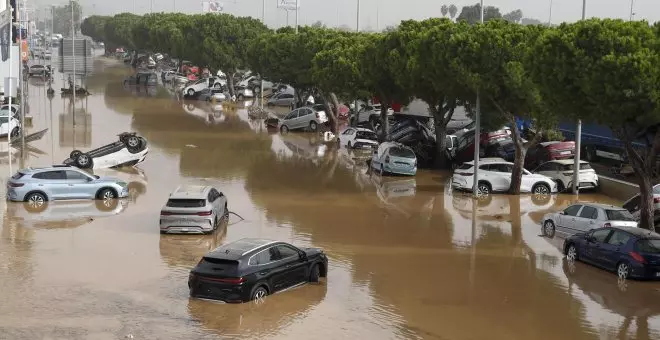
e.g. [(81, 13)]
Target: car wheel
[(284, 129), (623, 270), (74, 154), (191, 92), (217, 85), (315, 274), (483, 189), (313, 126), (560, 186), (348, 145), (15, 132), (240, 97), (571, 253), (133, 144), (549, 229), (541, 189), (106, 194), (259, 294), (83, 161), (35, 202)]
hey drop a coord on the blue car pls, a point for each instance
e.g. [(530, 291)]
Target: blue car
[(630, 252), (394, 158)]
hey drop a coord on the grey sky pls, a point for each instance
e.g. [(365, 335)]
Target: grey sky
[(382, 12)]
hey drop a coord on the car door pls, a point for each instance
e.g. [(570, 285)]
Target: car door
[(593, 246), (345, 136), (610, 251), (80, 185), (501, 174), (290, 119), (586, 219), (566, 221), (527, 180), (305, 117), (295, 266), (53, 183)]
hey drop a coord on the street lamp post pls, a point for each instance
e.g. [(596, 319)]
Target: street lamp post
[(263, 20), (578, 133), (297, 10), (477, 127), (632, 8), (357, 29)]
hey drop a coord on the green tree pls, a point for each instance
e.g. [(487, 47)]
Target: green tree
[(513, 16), (490, 58), (420, 64), (452, 11), (606, 72), (472, 14), (94, 27), (118, 30)]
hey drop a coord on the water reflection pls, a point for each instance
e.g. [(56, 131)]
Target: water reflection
[(62, 214), (186, 250)]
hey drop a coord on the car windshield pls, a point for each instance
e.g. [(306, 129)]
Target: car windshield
[(366, 135), (4, 119), (649, 246), (583, 166), (398, 151), (619, 215), (186, 203)]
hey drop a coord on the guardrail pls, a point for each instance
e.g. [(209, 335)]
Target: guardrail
[(617, 189)]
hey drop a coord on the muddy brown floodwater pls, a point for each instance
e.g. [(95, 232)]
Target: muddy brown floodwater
[(406, 259)]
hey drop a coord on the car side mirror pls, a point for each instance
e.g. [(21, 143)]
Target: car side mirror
[(302, 255)]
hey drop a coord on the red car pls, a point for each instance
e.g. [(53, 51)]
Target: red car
[(464, 150), (548, 151)]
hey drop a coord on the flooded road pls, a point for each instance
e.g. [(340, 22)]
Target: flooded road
[(406, 259)]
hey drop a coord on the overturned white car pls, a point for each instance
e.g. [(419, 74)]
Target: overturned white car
[(130, 150)]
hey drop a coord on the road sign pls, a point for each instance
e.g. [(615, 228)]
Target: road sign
[(289, 5)]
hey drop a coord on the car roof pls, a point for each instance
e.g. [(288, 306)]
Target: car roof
[(489, 160), (32, 170), (640, 232), (191, 192), (566, 161), (237, 249), (600, 205)]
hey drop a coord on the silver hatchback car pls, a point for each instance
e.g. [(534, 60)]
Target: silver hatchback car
[(193, 209), (61, 182)]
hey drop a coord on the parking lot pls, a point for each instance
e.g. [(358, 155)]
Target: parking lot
[(408, 258)]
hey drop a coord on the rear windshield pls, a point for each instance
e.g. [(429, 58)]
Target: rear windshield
[(186, 203), (17, 175), (465, 166), (583, 166), (649, 246), (402, 152), (619, 215), (366, 135), (221, 261)]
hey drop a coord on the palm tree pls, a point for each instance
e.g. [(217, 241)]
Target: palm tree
[(444, 9), (452, 11)]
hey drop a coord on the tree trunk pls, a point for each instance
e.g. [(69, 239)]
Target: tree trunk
[(331, 110), (518, 162), (644, 170), (230, 83), (441, 117), (384, 122)]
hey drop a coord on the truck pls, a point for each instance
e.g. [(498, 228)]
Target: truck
[(598, 141)]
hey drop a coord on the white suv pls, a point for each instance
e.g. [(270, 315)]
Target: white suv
[(495, 176), (202, 84)]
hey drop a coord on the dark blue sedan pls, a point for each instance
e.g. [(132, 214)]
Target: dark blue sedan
[(631, 252)]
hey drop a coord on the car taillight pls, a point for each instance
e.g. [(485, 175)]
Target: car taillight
[(15, 185), (607, 225), (656, 200), (165, 213), (637, 257), (204, 213), (387, 159), (233, 280)]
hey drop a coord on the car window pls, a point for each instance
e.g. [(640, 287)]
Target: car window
[(397, 151), (544, 167), (601, 235), (75, 175), (448, 142), (348, 132), (291, 115), (263, 257), (185, 203), (648, 246), (572, 210), (366, 135), (656, 189), (211, 197), (286, 252), (50, 175), (633, 204), (619, 215), (504, 168), (619, 238), (588, 212), (287, 96)]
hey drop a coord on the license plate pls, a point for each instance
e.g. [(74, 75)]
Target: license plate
[(565, 152)]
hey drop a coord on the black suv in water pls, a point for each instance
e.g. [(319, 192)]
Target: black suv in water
[(250, 269)]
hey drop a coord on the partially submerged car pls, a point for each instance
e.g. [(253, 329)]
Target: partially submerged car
[(37, 71), (130, 150), (193, 209), (142, 79), (357, 138), (308, 117), (583, 217), (250, 269), (209, 94), (495, 176), (11, 126), (394, 158)]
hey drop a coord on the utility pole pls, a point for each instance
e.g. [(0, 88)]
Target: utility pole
[(73, 52), (578, 133), (22, 81), (477, 128), (297, 10), (8, 91), (263, 20), (550, 16), (356, 110), (632, 8)]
